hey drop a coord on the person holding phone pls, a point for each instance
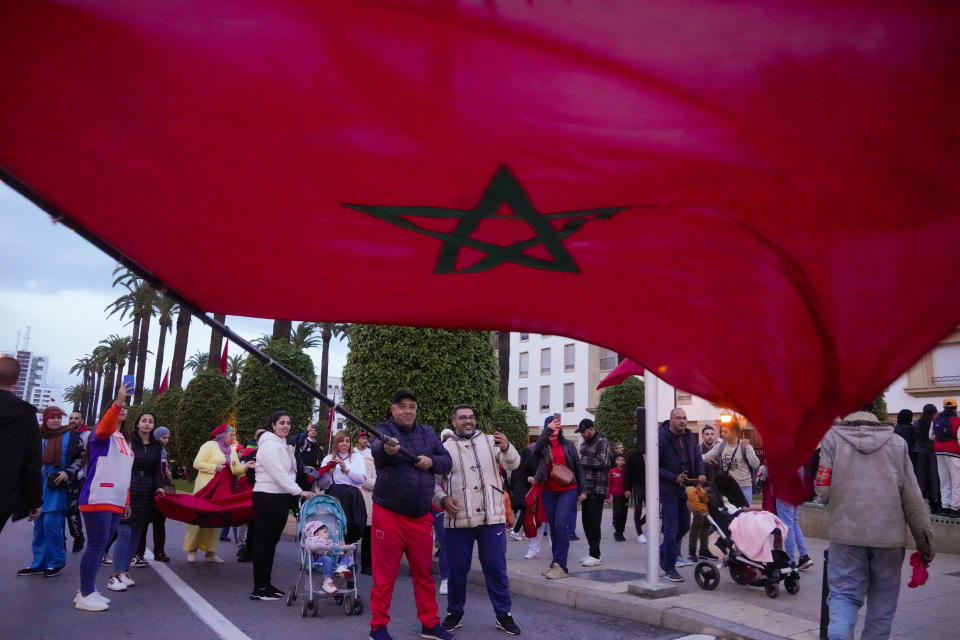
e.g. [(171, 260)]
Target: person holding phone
[(103, 497), (556, 457)]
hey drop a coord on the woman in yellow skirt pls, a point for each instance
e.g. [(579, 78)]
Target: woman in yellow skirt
[(211, 458)]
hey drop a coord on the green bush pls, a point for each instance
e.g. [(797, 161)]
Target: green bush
[(514, 423), (443, 368), (207, 402), (615, 412), (262, 391), (166, 409), (879, 408)]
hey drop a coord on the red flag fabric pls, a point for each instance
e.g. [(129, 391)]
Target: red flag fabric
[(219, 503), (620, 373), (223, 359), (165, 382), (756, 199)]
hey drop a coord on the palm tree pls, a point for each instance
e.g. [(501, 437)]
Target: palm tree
[(166, 307), (74, 394), (329, 330), (306, 336), (198, 361), (282, 329), (141, 302), (216, 342), (117, 351), (84, 366), (98, 360), (262, 342), (235, 366), (180, 348)]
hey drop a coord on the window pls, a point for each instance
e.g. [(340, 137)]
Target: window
[(545, 398), (524, 364), (569, 357), (544, 361), (608, 359), (684, 398), (568, 396), (522, 398), (524, 337)]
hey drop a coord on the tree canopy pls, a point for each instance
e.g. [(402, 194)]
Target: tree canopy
[(208, 401), (261, 391), (615, 412)]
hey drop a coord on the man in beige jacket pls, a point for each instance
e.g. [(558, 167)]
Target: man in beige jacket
[(472, 496), (866, 479)]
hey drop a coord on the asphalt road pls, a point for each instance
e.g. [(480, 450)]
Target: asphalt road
[(38, 608)]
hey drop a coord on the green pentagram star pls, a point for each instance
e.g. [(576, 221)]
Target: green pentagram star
[(504, 189)]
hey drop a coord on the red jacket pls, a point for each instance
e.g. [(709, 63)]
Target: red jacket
[(615, 483), (951, 447)]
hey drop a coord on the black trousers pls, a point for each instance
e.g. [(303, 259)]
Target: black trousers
[(75, 522), (591, 514), (159, 523), (637, 493), (699, 533), (619, 514), (271, 510), (365, 558)]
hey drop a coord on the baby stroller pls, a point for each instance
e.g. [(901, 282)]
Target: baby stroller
[(743, 569), (323, 512)]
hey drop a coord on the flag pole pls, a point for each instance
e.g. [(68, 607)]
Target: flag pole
[(652, 480), (59, 217)]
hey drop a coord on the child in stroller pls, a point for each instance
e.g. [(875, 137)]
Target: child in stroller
[(751, 541), (323, 549)]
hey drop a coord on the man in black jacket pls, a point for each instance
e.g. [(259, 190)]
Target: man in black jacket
[(681, 464), (20, 482)]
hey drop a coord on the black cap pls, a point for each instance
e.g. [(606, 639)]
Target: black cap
[(403, 393), (585, 424)]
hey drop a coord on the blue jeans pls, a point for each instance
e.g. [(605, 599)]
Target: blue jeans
[(491, 542), (49, 550), (128, 537), (440, 532), (854, 573), (789, 514), (559, 506), (676, 523), (573, 519), (325, 563), (100, 526)]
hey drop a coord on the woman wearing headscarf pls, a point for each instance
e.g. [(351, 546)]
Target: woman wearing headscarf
[(272, 498), (925, 460), (146, 481), (62, 459), (213, 456)]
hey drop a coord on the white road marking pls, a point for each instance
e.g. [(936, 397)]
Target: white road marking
[(203, 609)]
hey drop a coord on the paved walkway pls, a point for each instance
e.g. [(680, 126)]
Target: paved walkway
[(732, 610)]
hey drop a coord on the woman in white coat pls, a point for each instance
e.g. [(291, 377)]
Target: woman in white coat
[(273, 495), (351, 468)]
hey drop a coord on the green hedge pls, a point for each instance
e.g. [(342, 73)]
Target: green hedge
[(615, 412), (444, 369), (208, 401), (514, 422), (262, 391)]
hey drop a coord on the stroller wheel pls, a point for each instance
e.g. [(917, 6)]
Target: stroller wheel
[(706, 575), (348, 606), (304, 608), (772, 589), (338, 598), (291, 596), (792, 583), (357, 606)]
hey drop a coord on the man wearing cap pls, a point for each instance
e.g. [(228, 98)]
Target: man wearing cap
[(595, 459), (947, 450), (472, 496), (402, 523), (363, 445), (308, 453), (866, 480), (20, 479)]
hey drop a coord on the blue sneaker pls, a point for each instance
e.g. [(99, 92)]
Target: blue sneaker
[(380, 633), (436, 632)]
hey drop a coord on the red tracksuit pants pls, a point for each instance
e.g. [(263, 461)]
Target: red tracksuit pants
[(392, 536)]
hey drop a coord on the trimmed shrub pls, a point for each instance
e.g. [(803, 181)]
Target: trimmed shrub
[(208, 401), (514, 423), (615, 412), (262, 391)]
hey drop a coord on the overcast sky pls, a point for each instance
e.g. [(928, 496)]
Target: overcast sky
[(58, 284)]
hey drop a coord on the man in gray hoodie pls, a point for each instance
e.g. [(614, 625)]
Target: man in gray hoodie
[(866, 479)]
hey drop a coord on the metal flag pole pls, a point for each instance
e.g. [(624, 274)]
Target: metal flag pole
[(652, 480)]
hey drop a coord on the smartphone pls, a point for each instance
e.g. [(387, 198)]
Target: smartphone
[(556, 416), (498, 427), (128, 382)]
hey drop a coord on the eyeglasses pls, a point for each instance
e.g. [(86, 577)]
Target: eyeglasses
[(466, 417)]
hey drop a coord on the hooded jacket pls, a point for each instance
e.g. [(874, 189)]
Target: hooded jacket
[(866, 479), (21, 485)]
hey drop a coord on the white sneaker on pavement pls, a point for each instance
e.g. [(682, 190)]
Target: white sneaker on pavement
[(517, 536), (125, 579), (90, 602), (683, 562), (96, 594), (115, 584), (590, 561), (642, 539), (529, 555)]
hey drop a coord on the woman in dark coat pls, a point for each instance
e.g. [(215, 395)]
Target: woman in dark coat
[(519, 486), (925, 460), (146, 481)]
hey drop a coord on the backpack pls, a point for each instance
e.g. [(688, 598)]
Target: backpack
[(943, 428)]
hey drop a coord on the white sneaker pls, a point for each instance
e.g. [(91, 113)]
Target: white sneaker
[(90, 602), (683, 562), (517, 536), (642, 539), (125, 579), (529, 555), (584, 559), (328, 586), (115, 584), (590, 561), (95, 594), (443, 587)]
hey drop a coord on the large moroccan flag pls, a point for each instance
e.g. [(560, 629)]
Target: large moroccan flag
[(755, 199)]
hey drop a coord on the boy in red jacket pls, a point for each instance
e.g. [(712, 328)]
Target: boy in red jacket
[(615, 490)]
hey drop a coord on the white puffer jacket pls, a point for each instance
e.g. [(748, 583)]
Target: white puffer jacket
[(276, 466)]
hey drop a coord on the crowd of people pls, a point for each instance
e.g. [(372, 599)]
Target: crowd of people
[(409, 491)]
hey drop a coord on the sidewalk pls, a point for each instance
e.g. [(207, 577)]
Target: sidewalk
[(729, 611)]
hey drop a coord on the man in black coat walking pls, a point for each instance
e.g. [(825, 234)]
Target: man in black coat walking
[(21, 486)]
